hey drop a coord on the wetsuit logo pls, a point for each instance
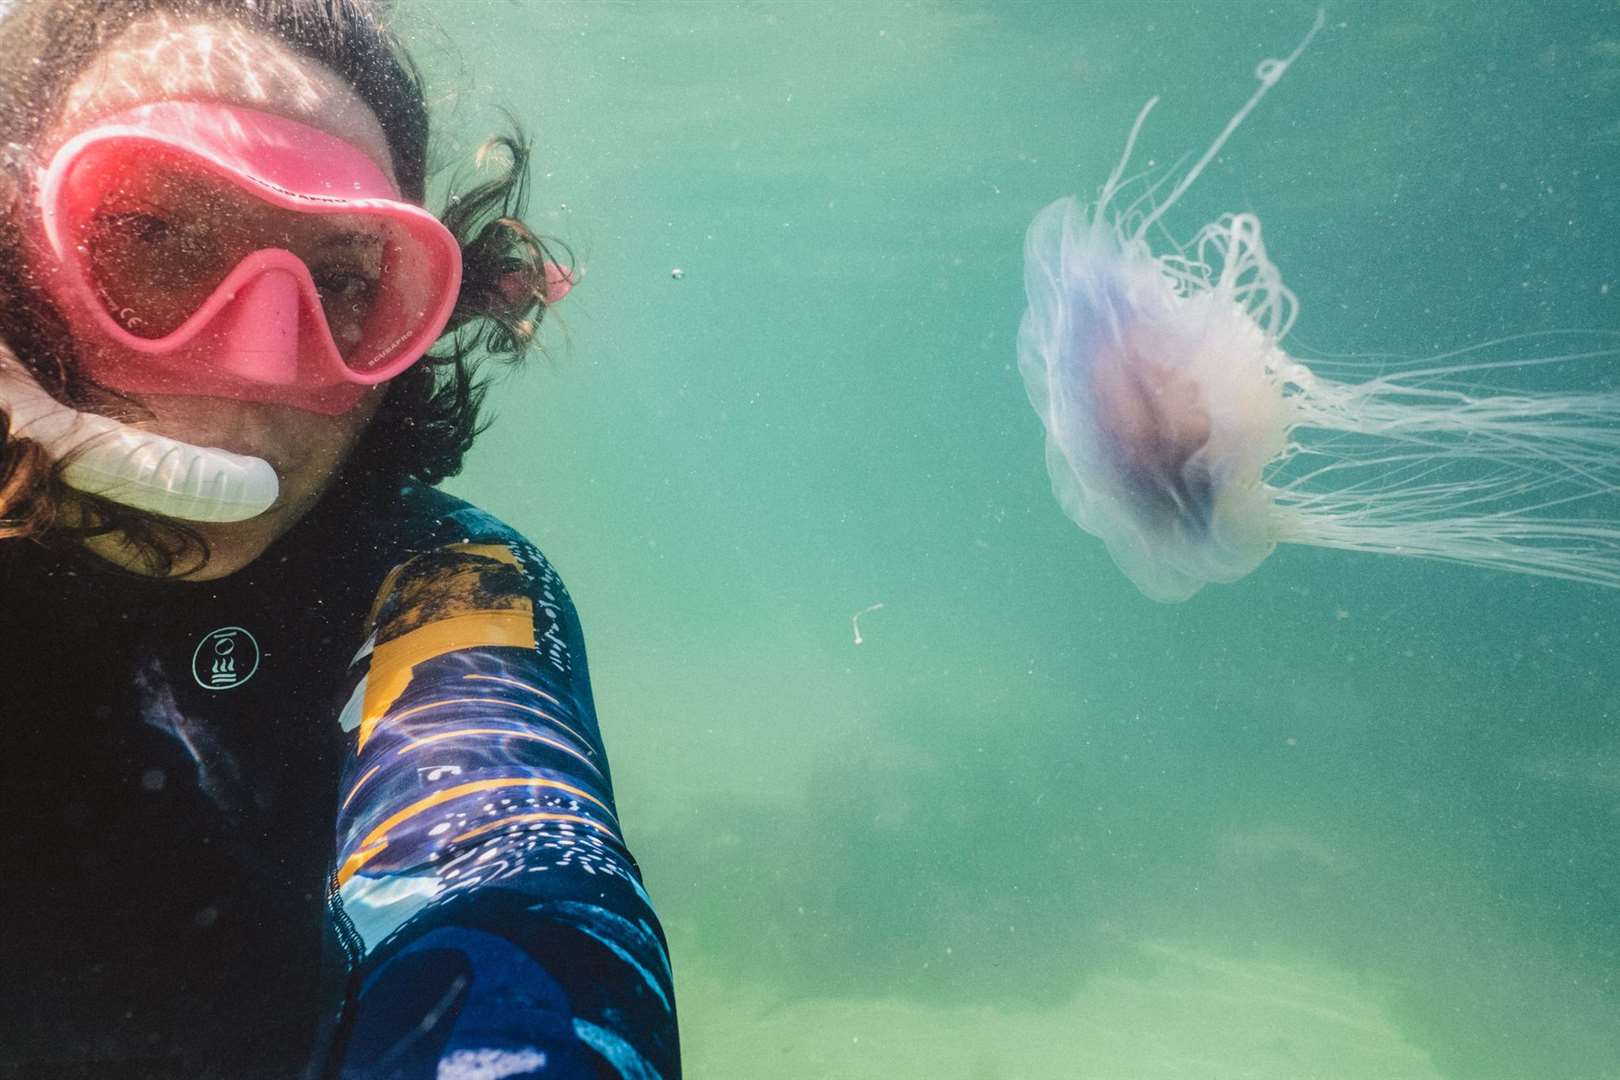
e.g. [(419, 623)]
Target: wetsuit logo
[(225, 659)]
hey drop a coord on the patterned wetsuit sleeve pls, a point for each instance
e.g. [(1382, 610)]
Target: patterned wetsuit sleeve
[(494, 922)]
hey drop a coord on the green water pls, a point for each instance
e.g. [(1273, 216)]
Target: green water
[(1352, 817)]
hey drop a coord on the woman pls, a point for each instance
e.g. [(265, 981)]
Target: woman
[(305, 774)]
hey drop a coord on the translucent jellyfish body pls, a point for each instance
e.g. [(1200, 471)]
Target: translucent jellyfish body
[(1182, 433)]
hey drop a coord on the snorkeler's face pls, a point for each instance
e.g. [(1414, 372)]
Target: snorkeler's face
[(162, 58)]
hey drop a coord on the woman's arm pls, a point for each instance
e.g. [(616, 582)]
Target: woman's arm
[(492, 917)]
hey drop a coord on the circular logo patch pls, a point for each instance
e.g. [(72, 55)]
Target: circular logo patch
[(225, 659)]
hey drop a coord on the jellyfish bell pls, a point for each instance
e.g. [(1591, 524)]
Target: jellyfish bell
[(1182, 434), (1156, 438)]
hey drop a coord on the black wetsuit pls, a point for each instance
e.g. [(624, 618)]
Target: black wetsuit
[(343, 814)]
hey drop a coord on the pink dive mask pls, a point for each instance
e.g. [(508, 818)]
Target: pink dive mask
[(215, 250)]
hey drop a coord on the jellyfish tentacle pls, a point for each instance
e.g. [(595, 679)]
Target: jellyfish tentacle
[(1280, 68), (1113, 182), (1442, 473)]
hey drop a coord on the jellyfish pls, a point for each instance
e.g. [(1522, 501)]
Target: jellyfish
[(1182, 433)]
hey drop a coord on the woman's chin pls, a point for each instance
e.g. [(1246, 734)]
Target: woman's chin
[(233, 547)]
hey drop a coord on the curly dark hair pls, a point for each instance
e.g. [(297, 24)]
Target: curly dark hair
[(430, 414)]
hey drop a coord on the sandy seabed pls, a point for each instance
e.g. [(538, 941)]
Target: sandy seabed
[(1199, 1016)]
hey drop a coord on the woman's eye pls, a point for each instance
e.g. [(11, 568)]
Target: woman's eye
[(165, 249), (133, 225), (345, 285)]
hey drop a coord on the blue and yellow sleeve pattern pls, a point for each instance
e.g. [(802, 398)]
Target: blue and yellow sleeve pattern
[(493, 919)]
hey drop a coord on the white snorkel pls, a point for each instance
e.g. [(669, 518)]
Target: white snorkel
[(140, 469)]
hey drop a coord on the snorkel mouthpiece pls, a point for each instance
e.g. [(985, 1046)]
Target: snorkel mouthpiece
[(139, 469)]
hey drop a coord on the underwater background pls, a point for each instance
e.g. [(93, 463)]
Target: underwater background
[(1351, 817)]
